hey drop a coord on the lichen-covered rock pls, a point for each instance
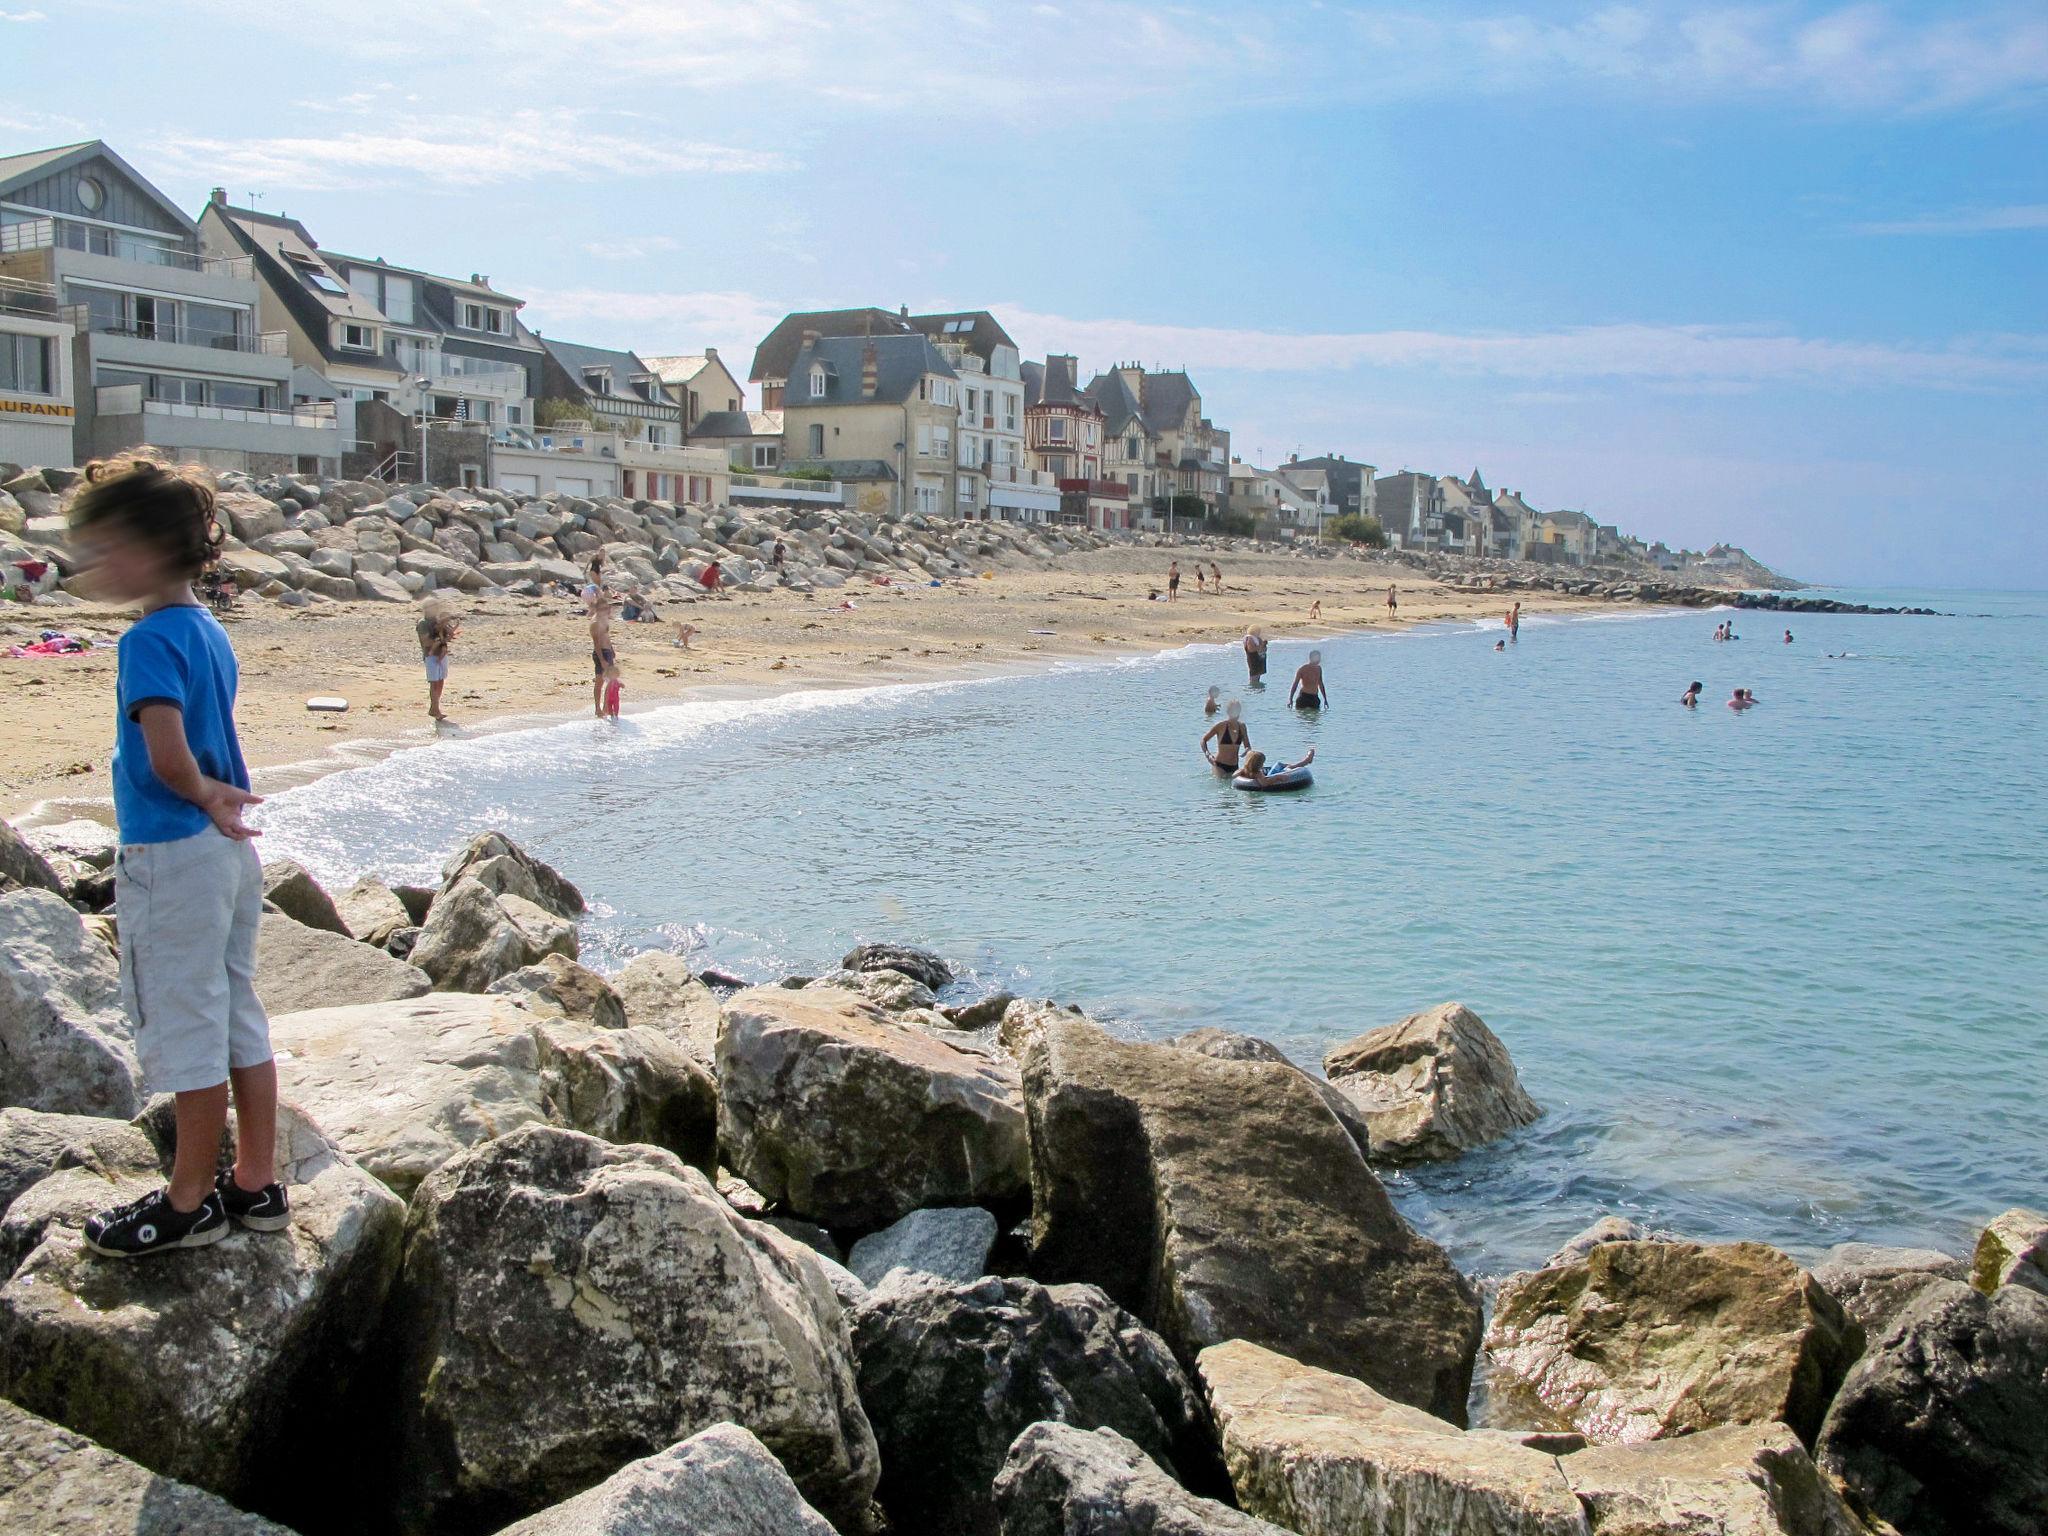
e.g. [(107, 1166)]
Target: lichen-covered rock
[(949, 1243), (405, 1086), (2013, 1250), (719, 1482), (298, 967), (561, 986), (65, 1044), (889, 990), (112, 1162), (33, 1142), (501, 866), (845, 1116), (1223, 1045), (54, 1482), (1608, 1229), (1642, 1341), (1325, 1455), (1942, 1427), (472, 937), (566, 1306), (1222, 1199), (952, 1374), (1058, 1480), (1874, 1284), (920, 965), (1431, 1087), (218, 1365), (658, 992), (1738, 1480), (372, 912), (288, 886)]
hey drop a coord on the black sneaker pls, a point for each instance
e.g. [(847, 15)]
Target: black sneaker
[(267, 1210), (153, 1225)]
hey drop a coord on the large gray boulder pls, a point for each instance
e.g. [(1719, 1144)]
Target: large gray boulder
[(1222, 1199), (891, 991), (920, 965), (87, 842), (65, 1043), (34, 1141), (947, 1243), (566, 1306), (288, 886), (1058, 1480), (1874, 1284), (372, 912), (1739, 1480), (405, 1086), (299, 967), (500, 865), (951, 1375), (659, 992), (560, 986), (1431, 1087), (21, 865), (54, 1482), (221, 1365), (1224, 1045), (1942, 1427), (472, 937), (845, 1116), (106, 1162), (1643, 1341), (1326, 1455), (719, 1482), (2012, 1250)]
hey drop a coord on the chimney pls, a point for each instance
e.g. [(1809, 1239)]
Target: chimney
[(903, 310), (711, 354), (810, 338), (218, 197), (870, 372), (476, 279)]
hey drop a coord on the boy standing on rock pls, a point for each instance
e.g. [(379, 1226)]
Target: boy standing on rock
[(188, 885)]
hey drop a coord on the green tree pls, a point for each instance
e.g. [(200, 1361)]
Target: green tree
[(1356, 529)]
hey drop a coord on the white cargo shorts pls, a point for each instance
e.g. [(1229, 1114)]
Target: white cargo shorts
[(188, 913)]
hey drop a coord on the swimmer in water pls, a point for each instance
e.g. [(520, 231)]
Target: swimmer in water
[(1256, 773), (1500, 645), (1255, 658), (1788, 637), (1231, 738), (1691, 697), (1741, 700), (1309, 690), (1213, 703)]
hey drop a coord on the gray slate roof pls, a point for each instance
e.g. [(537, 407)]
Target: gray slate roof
[(901, 360), (738, 424), (978, 330), (575, 360), (775, 357)]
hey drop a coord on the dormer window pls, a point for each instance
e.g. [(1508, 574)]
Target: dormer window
[(598, 380), (358, 338), (817, 383)]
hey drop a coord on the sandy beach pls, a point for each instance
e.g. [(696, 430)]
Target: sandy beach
[(521, 659)]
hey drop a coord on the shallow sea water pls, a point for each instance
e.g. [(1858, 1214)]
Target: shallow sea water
[(1778, 975)]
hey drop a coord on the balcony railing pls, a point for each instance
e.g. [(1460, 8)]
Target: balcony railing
[(485, 372), (319, 415), (35, 300), (94, 240), (760, 482), (265, 343)]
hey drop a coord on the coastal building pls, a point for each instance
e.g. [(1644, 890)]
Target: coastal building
[(996, 476), (1564, 538), (878, 414), (1289, 507), (700, 384), (37, 409), (1160, 443), (1410, 507), (621, 401), (1065, 440), (1348, 482), (776, 354), (1514, 524), (750, 440), (166, 349)]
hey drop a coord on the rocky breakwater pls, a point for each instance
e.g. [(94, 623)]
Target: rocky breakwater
[(1611, 587), (634, 1255), (303, 540)]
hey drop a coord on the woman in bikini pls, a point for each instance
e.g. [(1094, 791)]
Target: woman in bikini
[(1231, 738)]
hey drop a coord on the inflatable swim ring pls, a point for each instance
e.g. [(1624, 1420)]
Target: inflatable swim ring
[(1283, 779)]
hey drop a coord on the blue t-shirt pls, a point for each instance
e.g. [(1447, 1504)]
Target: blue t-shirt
[(175, 656)]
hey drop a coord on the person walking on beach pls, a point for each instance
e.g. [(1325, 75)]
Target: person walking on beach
[(1309, 690), (1255, 657), (187, 882), (1199, 587), (1173, 582), (1216, 577), (1393, 601), (1315, 609), (437, 630), (614, 685), (1691, 697), (1230, 739), (602, 655)]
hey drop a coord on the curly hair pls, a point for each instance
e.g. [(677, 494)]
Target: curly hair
[(170, 507)]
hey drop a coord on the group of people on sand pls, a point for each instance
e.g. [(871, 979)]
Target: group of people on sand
[(1214, 580)]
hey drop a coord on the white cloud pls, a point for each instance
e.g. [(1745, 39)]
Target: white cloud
[(1980, 221), (459, 150), (631, 247), (23, 16)]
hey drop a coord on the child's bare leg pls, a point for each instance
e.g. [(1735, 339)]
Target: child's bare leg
[(255, 1124), (202, 1116)]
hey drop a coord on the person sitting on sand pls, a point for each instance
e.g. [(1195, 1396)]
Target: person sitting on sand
[(1741, 700), (602, 656), (1213, 703), (781, 554), (1173, 582), (1231, 738), (1309, 690), (683, 634), (437, 631), (1255, 656), (1691, 697), (1255, 772)]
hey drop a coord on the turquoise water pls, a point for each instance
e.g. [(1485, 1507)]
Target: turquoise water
[(1775, 975)]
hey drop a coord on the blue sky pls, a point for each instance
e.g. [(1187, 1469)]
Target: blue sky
[(1767, 273)]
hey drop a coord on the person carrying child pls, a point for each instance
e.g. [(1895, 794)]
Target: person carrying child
[(188, 885)]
